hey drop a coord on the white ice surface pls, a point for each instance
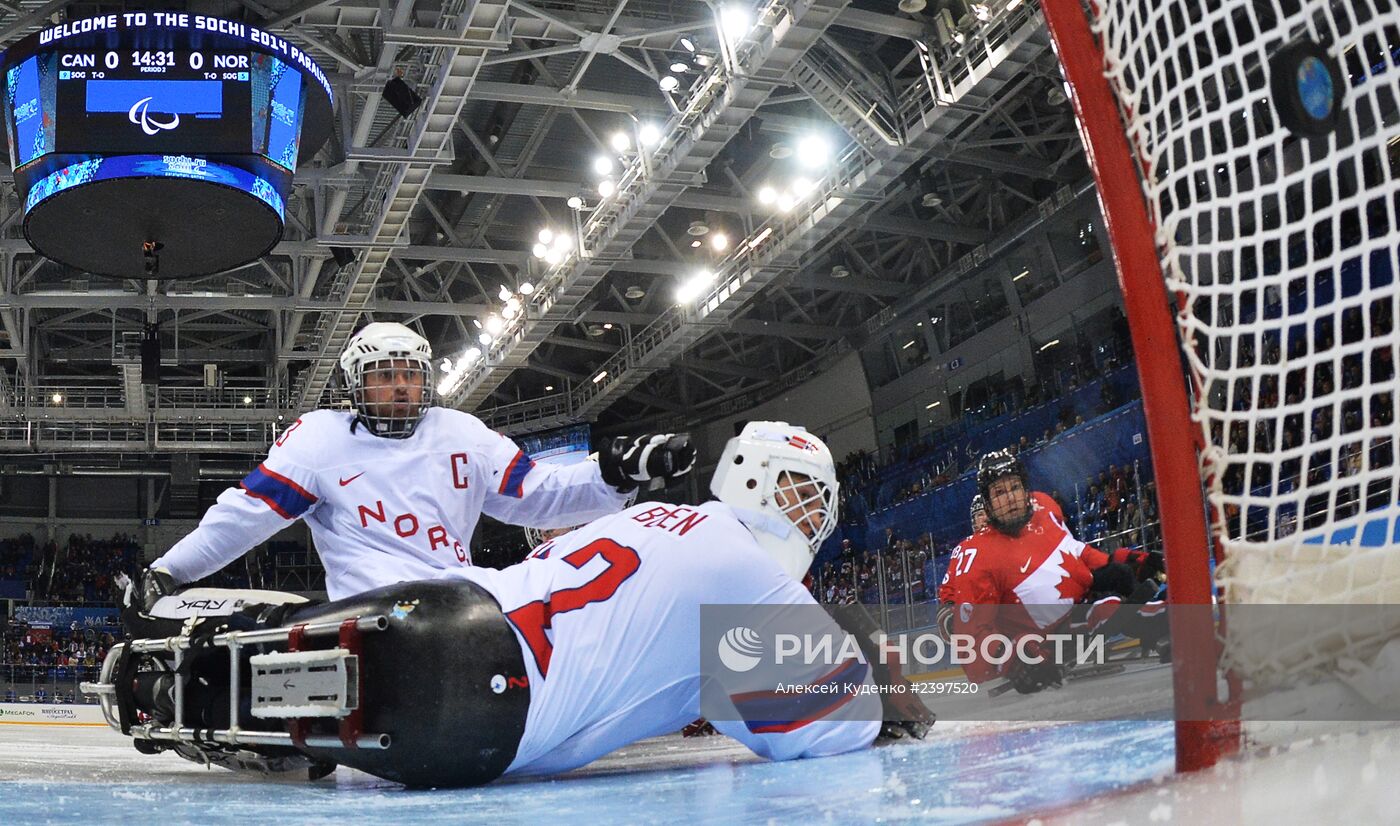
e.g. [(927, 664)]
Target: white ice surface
[(1117, 772)]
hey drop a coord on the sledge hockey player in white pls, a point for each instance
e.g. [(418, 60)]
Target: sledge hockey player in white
[(608, 614), (393, 489), (591, 643)]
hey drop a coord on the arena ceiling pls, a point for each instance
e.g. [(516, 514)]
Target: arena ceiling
[(894, 155)]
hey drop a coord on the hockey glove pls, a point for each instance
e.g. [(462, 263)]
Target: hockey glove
[(1029, 678), (627, 462), (905, 714), (1114, 579), (1145, 564), (147, 588)]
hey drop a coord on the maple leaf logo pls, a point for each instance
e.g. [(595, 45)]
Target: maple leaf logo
[(1067, 587)]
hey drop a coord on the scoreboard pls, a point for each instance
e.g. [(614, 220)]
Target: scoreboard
[(162, 89), (97, 109)]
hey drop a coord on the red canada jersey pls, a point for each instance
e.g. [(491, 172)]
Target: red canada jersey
[(948, 586), (1022, 584)]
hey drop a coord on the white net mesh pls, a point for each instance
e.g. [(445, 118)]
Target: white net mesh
[(1282, 251)]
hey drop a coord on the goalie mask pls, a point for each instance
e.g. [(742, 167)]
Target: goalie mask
[(388, 370), (785, 477)]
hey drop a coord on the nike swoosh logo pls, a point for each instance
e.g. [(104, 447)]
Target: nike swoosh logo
[(344, 482), (1023, 567)]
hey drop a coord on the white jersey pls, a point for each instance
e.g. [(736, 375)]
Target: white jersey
[(608, 617), (382, 510)]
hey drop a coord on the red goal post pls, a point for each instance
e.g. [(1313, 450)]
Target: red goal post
[(1246, 158)]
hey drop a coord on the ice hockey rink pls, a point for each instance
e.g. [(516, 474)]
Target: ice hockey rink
[(1110, 772)]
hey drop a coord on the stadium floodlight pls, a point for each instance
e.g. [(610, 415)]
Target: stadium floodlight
[(785, 201), (719, 241), (679, 68), (767, 195), (600, 376), (649, 134), (539, 250), (562, 241), (603, 165), (504, 293), (494, 324), (620, 142), (473, 353), (546, 235), (981, 11), (485, 339), (606, 188), (802, 187), (553, 256), (694, 286), (688, 44), (575, 202), (735, 21), (445, 365), (58, 398), (813, 150), (668, 83), (548, 388), (247, 399), (508, 312), (526, 288), (513, 303)]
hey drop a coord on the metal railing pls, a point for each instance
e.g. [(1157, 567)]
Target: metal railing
[(45, 683), (944, 73)]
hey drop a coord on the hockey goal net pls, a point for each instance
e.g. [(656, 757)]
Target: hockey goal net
[(1246, 158)]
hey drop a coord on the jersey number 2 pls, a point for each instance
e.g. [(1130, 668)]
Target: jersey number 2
[(532, 619)]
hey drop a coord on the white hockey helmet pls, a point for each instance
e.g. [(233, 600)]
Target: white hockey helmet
[(376, 347), (769, 459)]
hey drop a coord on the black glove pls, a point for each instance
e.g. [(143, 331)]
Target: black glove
[(1144, 564), (1113, 579), (628, 462), (147, 589), (1029, 678), (905, 714)]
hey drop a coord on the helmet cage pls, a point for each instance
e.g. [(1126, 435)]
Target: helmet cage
[(393, 425), (815, 523)]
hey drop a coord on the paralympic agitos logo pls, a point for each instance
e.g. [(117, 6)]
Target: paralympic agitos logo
[(140, 116)]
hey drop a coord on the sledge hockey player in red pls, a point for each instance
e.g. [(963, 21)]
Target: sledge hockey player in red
[(1022, 575), (948, 588)]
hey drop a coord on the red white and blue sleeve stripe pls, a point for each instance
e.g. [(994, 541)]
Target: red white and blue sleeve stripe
[(513, 480), (284, 496), (771, 712)]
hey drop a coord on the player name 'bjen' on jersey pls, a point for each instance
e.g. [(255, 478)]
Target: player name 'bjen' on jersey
[(389, 510), (607, 621)]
